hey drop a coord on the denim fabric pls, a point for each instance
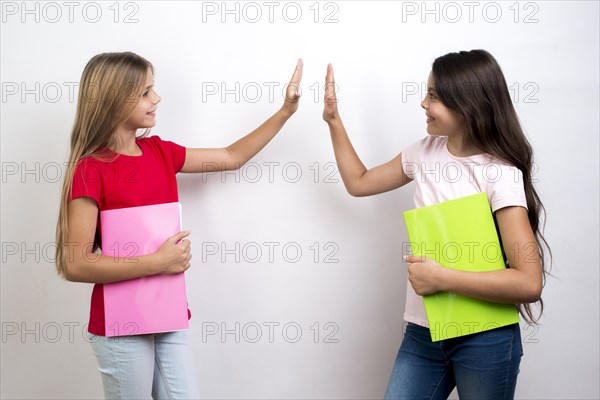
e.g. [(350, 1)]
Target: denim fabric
[(157, 366), (481, 366)]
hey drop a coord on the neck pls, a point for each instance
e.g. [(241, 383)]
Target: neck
[(126, 143), (458, 147)]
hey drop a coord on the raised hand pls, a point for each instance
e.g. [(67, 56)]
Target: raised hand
[(330, 110), (292, 94)]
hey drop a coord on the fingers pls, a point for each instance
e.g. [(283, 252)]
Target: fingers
[(186, 262), (329, 76), (415, 259), (185, 246), (179, 235), (292, 94), (176, 253), (186, 254), (297, 76), (330, 96)]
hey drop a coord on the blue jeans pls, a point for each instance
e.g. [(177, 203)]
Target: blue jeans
[(157, 366), (481, 366)]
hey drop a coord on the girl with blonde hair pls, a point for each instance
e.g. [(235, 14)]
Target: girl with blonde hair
[(110, 167)]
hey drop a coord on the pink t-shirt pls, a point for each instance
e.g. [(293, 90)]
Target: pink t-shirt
[(440, 176)]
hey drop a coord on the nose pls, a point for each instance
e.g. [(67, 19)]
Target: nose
[(424, 103), (156, 98)]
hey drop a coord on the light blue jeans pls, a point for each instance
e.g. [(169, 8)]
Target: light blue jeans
[(482, 366), (157, 366)]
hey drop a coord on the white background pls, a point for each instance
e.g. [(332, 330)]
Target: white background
[(381, 52)]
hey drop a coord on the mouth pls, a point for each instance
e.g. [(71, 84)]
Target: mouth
[(151, 113), (429, 118)]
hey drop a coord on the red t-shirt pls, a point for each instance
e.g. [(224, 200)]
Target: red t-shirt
[(127, 181)]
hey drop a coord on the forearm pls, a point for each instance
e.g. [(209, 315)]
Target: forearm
[(349, 164), (508, 286), (247, 147), (96, 268)]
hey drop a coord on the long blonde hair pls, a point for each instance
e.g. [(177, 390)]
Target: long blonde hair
[(110, 88)]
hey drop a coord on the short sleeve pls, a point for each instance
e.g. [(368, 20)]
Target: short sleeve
[(506, 187), (175, 151), (87, 181), (410, 157)]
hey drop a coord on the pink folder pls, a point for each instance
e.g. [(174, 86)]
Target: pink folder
[(151, 304)]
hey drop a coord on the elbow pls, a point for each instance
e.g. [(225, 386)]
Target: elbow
[(237, 165), (234, 160), (537, 295), (234, 165), (357, 193), (355, 185), (533, 294), (70, 272), (354, 191)]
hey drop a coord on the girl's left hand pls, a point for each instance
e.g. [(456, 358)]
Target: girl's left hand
[(292, 93), (424, 274)]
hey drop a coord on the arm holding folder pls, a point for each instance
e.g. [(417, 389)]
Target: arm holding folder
[(521, 283), (459, 268), (84, 266)]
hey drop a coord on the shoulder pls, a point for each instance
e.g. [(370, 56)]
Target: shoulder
[(166, 150), (427, 144), (153, 140), (495, 170), (423, 149), (156, 141), (88, 160), (90, 166), (153, 144), (430, 141)]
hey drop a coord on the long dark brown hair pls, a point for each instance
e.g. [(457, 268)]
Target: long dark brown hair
[(472, 84)]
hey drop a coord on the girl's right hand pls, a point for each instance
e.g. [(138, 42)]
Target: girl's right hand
[(174, 254), (330, 110), (292, 93)]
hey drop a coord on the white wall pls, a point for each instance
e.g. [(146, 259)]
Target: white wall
[(381, 52)]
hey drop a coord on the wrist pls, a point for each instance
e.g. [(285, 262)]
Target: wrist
[(335, 122), (286, 111), (446, 279), (154, 264)]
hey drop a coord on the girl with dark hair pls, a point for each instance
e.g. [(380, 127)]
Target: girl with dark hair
[(472, 125)]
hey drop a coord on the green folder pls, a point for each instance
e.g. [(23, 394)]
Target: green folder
[(459, 234)]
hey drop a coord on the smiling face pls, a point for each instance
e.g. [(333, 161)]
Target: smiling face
[(441, 120), (144, 114)]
